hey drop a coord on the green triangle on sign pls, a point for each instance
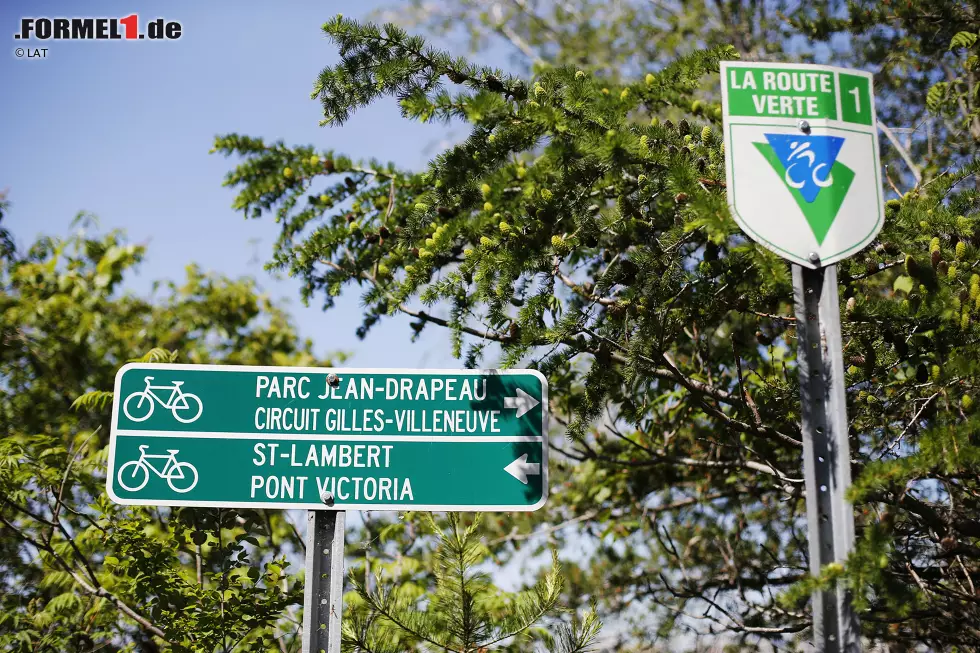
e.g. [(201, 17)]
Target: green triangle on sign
[(820, 213)]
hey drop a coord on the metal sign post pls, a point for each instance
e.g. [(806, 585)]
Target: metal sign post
[(826, 454), (323, 599)]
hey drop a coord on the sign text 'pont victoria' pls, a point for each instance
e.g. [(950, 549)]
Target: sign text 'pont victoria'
[(279, 437)]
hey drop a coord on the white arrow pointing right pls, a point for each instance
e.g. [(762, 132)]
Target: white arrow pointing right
[(520, 468), (523, 402)]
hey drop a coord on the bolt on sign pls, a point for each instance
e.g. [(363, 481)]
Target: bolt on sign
[(801, 155), (286, 437)]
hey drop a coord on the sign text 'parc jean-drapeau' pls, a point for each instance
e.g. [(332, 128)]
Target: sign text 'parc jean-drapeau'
[(238, 436)]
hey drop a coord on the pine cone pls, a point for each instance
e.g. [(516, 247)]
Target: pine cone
[(494, 84), (901, 348), (921, 373)]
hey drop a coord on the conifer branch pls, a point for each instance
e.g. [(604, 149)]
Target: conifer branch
[(579, 290), (699, 388)]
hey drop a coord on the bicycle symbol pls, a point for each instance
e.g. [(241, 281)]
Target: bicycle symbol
[(802, 151), (178, 402), (138, 471)]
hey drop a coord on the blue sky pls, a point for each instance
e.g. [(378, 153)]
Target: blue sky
[(122, 129)]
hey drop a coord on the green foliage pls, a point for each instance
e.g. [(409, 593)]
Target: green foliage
[(77, 572), (400, 65), (463, 612), (238, 603), (612, 40), (925, 64), (581, 229), (81, 572)]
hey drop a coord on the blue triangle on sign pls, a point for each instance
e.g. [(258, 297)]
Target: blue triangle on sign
[(807, 160)]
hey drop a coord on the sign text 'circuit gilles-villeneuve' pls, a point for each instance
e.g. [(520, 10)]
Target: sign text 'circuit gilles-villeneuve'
[(281, 437)]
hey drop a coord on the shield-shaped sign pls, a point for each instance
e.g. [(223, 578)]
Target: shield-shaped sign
[(801, 151)]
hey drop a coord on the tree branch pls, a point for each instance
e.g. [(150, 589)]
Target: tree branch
[(99, 591), (901, 150)]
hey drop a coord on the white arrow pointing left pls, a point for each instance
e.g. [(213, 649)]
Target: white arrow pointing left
[(523, 402), (520, 468)]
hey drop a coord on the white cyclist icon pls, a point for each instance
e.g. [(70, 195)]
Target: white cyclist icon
[(181, 477), (186, 407), (802, 151)]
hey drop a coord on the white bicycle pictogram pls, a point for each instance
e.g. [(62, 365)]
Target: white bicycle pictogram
[(802, 151), (178, 402), (138, 471)]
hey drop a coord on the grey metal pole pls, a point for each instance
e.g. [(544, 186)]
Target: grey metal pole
[(323, 599), (826, 454)]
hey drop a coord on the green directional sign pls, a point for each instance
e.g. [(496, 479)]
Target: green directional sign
[(284, 437), (801, 155)]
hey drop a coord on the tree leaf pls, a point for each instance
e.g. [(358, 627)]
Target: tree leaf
[(962, 40)]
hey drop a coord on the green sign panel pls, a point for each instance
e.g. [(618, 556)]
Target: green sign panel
[(801, 157), (798, 91), (284, 437)]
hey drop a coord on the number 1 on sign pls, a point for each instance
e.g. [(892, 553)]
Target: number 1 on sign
[(857, 99)]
